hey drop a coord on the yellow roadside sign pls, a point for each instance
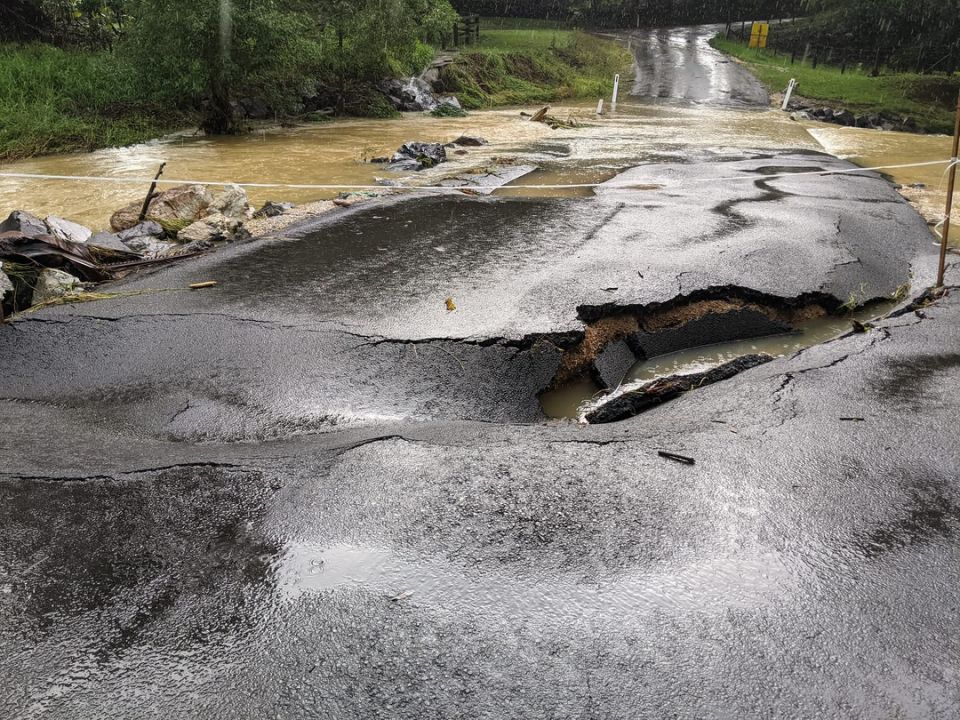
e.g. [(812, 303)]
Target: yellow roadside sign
[(759, 35)]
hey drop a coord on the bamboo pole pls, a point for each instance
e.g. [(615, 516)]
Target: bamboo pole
[(945, 238)]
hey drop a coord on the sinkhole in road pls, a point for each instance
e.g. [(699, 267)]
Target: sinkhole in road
[(689, 341)]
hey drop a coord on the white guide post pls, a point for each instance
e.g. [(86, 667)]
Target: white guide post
[(787, 95), (600, 107), (616, 89)]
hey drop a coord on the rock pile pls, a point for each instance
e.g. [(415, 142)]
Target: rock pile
[(842, 116), (48, 259)]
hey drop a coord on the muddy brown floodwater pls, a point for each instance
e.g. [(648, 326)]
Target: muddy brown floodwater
[(336, 153)]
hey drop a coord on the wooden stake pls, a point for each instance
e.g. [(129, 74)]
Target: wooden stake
[(153, 189), (945, 238)]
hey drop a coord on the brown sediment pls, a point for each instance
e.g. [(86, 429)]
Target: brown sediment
[(578, 361), (663, 319), (597, 335)]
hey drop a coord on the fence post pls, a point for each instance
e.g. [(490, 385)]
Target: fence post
[(951, 185)]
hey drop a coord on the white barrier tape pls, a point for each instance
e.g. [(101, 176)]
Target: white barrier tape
[(435, 188), (953, 162)]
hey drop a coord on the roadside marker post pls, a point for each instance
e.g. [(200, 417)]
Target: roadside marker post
[(600, 107), (789, 94), (616, 90), (951, 186), (759, 34)]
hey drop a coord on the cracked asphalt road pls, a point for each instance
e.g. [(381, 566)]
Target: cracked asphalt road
[(312, 492)]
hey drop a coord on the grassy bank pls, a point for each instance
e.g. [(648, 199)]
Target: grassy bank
[(59, 101), (928, 99), (54, 100), (520, 63)]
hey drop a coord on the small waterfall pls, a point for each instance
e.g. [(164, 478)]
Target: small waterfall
[(419, 92)]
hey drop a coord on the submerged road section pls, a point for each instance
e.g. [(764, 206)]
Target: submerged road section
[(313, 491)]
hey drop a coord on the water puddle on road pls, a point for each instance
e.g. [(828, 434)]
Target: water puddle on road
[(439, 584), (569, 401)]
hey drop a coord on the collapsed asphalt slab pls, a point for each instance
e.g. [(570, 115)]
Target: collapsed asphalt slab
[(313, 492)]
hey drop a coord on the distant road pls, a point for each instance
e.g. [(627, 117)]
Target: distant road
[(679, 64)]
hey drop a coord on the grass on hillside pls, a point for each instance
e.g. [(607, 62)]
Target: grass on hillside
[(58, 101), (529, 64), (929, 100)]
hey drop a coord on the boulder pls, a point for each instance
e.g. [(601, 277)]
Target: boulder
[(179, 204), (151, 247), (470, 141), (405, 164), (6, 286), (200, 232), (409, 95), (146, 239), (107, 244), (275, 209), (845, 117), (53, 284), (24, 222), (418, 155), (145, 229), (232, 203), (196, 246), (799, 116), (67, 230)]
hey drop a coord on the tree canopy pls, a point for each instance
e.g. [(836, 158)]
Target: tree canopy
[(215, 51)]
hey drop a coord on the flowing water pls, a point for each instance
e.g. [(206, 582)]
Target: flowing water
[(873, 148), (338, 153)]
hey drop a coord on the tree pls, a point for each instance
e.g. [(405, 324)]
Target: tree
[(280, 50), (21, 20)]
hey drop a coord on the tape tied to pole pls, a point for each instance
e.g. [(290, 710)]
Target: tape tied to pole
[(443, 188)]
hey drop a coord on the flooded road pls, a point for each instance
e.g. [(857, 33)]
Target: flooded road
[(336, 153), (874, 148)]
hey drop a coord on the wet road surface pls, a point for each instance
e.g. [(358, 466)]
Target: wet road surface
[(312, 492), (679, 64)]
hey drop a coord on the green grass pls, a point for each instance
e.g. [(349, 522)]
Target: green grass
[(502, 23), (929, 100), (57, 101), (534, 65)]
